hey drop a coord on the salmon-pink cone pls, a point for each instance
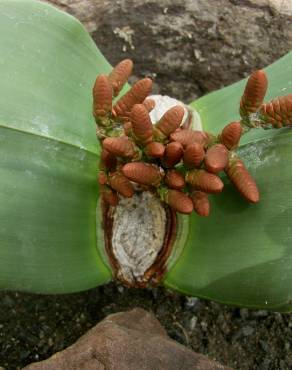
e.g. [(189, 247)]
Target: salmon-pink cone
[(143, 173), (171, 120), (174, 179), (278, 112), (149, 104), (120, 74), (109, 196), (201, 203), (173, 154), (136, 95), (102, 96), (204, 181), (141, 124), (121, 184), (242, 180), (254, 92), (231, 134), (194, 155), (179, 201), (188, 137), (119, 146), (102, 178), (154, 150), (216, 158)]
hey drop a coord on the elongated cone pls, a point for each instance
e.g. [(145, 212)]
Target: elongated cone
[(201, 203), (179, 201), (188, 137), (136, 95), (109, 196), (102, 96), (174, 180), (204, 181), (278, 112), (141, 124), (120, 74), (171, 120), (254, 93), (242, 180), (108, 160), (173, 154), (216, 158), (102, 178), (119, 146), (143, 173), (149, 104), (194, 155), (121, 184), (231, 134), (154, 150)]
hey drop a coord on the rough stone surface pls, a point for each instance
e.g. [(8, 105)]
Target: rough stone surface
[(189, 47), (127, 341)]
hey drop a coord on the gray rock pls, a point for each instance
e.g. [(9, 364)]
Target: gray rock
[(127, 341), (189, 47)]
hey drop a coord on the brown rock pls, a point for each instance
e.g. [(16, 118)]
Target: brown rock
[(132, 340)]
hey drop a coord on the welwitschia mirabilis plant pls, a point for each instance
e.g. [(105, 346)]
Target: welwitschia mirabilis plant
[(50, 232)]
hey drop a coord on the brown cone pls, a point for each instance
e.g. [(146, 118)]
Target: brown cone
[(242, 180), (121, 184), (149, 104), (102, 96), (141, 124), (102, 178), (174, 180), (171, 120), (154, 150), (201, 203), (254, 93), (109, 196), (216, 158), (173, 154), (119, 146), (230, 135), (143, 173), (188, 137), (194, 155), (136, 95), (179, 201), (108, 159), (204, 181), (278, 112), (120, 74)]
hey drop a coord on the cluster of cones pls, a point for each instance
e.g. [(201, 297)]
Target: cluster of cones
[(180, 165)]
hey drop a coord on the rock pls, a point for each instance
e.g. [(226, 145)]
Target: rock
[(188, 47), (127, 341)]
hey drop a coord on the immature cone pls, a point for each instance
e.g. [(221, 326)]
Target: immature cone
[(121, 184), (149, 104), (278, 112), (119, 146), (174, 180), (173, 154), (201, 203), (136, 95), (216, 158), (154, 150), (188, 137), (194, 155), (108, 160), (231, 134), (120, 74), (102, 96), (254, 93), (109, 196), (242, 180), (178, 201), (204, 181), (141, 124), (171, 120), (143, 173), (102, 178)]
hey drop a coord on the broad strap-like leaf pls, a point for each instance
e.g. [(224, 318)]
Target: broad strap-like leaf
[(48, 151)]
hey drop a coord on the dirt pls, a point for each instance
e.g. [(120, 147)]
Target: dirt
[(189, 51), (33, 327)]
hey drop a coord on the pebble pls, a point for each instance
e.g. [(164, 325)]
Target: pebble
[(193, 322)]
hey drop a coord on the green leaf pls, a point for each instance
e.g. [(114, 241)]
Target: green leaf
[(48, 151), (242, 253)]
